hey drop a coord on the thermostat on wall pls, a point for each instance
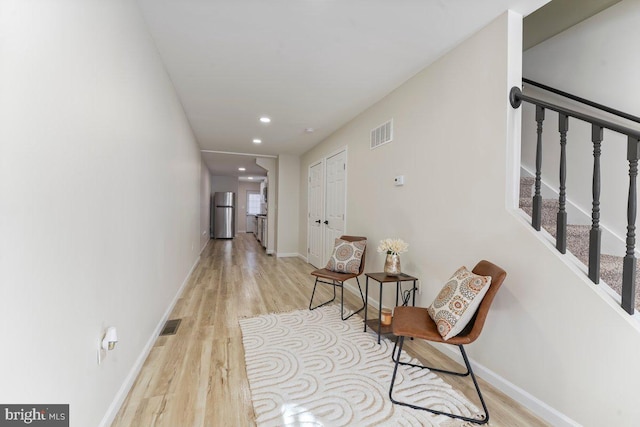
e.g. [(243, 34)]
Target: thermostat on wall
[(398, 180)]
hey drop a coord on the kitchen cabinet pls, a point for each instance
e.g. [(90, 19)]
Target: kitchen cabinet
[(264, 232), (252, 224), (260, 221), (261, 232)]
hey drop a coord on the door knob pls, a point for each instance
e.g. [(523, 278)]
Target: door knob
[(318, 221), (326, 222)]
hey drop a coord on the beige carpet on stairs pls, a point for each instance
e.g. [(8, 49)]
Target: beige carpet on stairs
[(577, 239)]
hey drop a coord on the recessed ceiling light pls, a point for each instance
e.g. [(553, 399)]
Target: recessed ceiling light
[(257, 141), (265, 119), (242, 169), (309, 130), (250, 177)]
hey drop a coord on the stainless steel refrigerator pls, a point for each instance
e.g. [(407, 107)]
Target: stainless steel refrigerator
[(223, 215)]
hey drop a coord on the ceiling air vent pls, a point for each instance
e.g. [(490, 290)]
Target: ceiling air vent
[(382, 134)]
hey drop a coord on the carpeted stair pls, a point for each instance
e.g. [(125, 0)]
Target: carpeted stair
[(577, 239)]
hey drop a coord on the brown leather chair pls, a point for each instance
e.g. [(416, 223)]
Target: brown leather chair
[(337, 280), (414, 322)]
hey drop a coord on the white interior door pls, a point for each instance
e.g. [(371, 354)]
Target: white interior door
[(316, 215), (335, 185)]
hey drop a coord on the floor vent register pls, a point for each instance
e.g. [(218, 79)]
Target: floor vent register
[(170, 327)]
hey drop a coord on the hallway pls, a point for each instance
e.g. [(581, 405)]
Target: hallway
[(197, 377)]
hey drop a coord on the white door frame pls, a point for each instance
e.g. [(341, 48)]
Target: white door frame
[(315, 221), (323, 161), (335, 207)]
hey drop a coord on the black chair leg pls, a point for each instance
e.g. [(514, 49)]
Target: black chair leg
[(341, 286), (364, 303), (395, 366), (393, 357), (342, 302), (393, 353), (314, 292), (396, 359), (475, 383)]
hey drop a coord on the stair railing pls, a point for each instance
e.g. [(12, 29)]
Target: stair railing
[(582, 100), (516, 98)]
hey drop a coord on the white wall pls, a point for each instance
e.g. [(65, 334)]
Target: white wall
[(99, 200), (456, 141), (224, 183), (288, 202), (591, 60)]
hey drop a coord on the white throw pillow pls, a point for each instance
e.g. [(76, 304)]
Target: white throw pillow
[(458, 301), (346, 256)]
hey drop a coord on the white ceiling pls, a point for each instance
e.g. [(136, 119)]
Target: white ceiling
[(304, 63), (223, 164)]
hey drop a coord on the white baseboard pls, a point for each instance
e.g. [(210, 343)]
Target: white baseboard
[(535, 405), (201, 250), (122, 393), (304, 258), (287, 254)]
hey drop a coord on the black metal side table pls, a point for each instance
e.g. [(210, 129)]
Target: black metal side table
[(383, 278)]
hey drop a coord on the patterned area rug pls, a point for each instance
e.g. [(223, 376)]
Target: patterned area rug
[(309, 368)]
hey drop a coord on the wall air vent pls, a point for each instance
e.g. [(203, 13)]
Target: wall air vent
[(382, 134)]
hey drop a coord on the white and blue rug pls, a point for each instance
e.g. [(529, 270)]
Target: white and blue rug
[(310, 368)]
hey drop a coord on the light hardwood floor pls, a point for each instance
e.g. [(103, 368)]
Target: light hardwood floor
[(197, 377)]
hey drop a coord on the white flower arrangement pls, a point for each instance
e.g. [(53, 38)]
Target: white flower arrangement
[(393, 246)]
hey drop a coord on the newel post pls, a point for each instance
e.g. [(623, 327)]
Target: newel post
[(629, 264)]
